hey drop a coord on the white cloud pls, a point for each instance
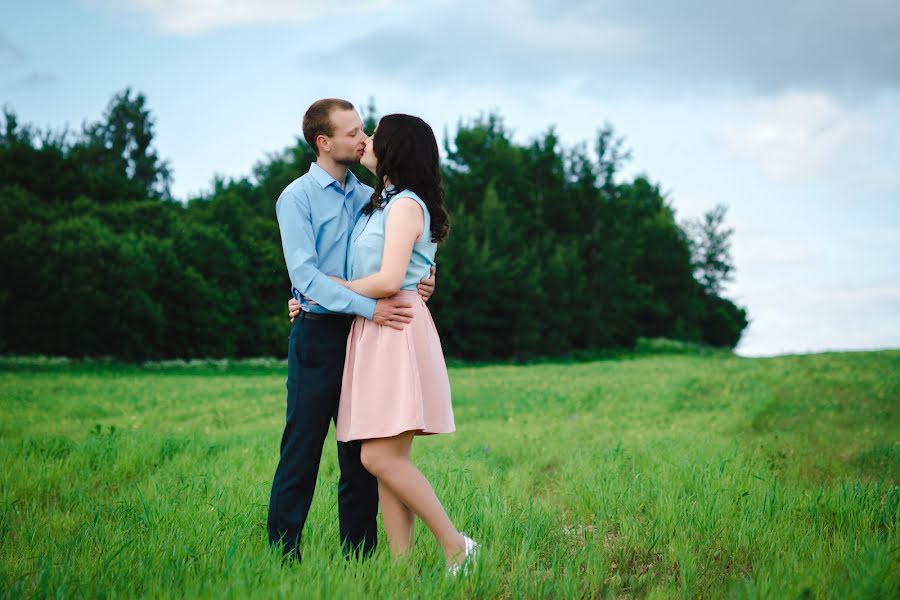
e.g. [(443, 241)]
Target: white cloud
[(849, 49), (795, 134), (790, 318), (565, 34), (197, 16)]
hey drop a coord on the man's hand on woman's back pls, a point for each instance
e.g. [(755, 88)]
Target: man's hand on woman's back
[(293, 308), (426, 285)]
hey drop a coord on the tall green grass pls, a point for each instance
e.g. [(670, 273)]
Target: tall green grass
[(658, 476)]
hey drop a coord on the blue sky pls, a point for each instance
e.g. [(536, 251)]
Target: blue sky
[(789, 113)]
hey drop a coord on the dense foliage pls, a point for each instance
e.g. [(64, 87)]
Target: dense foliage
[(549, 253)]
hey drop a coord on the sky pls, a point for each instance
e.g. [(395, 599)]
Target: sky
[(786, 112)]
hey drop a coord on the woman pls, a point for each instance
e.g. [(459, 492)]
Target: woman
[(395, 383)]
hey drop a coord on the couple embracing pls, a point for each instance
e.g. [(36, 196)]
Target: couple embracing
[(363, 350)]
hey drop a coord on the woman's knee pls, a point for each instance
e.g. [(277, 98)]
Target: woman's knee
[(377, 455), (373, 458)]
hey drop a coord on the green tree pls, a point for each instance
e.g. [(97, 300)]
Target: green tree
[(723, 322), (38, 161), (548, 251), (101, 279), (493, 278), (711, 249), (669, 305), (116, 154)]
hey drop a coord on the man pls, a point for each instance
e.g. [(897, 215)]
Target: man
[(316, 214)]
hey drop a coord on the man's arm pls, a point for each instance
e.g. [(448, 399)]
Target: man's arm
[(299, 246), (425, 287)]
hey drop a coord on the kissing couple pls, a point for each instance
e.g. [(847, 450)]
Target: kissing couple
[(363, 349)]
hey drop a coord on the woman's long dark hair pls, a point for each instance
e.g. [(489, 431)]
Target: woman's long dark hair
[(407, 154)]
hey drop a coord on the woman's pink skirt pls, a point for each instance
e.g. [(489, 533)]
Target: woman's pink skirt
[(395, 381)]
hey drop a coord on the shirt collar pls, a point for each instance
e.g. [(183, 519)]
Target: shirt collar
[(325, 179)]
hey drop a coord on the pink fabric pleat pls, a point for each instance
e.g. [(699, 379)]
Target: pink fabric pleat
[(395, 381)]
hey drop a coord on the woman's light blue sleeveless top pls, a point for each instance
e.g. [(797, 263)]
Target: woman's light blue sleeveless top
[(367, 245)]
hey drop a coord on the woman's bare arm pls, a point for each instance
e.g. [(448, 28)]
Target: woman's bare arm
[(405, 224)]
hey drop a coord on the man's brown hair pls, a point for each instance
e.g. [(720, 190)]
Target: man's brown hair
[(317, 120)]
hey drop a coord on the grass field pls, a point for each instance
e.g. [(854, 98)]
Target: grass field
[(658, 476)]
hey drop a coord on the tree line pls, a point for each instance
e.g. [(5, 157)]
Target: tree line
[(549, 252)]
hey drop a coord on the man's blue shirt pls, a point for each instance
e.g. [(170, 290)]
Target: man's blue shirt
[(316, 217)]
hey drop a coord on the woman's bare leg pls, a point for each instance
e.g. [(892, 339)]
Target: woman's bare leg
[(388, 460), (398, 519)]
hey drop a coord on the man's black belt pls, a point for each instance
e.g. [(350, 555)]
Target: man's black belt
[(339, 317)]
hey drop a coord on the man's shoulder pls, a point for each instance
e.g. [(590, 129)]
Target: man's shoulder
[(298, 188)]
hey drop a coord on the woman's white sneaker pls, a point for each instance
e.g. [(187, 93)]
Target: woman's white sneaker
[(467, 565)]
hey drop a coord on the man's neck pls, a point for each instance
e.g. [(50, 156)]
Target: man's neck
[(336, 170)]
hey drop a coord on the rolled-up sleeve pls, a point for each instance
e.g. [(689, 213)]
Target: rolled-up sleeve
[(299, 245)]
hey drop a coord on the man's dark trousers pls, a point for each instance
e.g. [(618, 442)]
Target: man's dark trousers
[(316, 351)]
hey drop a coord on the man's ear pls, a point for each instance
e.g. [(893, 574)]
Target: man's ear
[(323, 142)]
